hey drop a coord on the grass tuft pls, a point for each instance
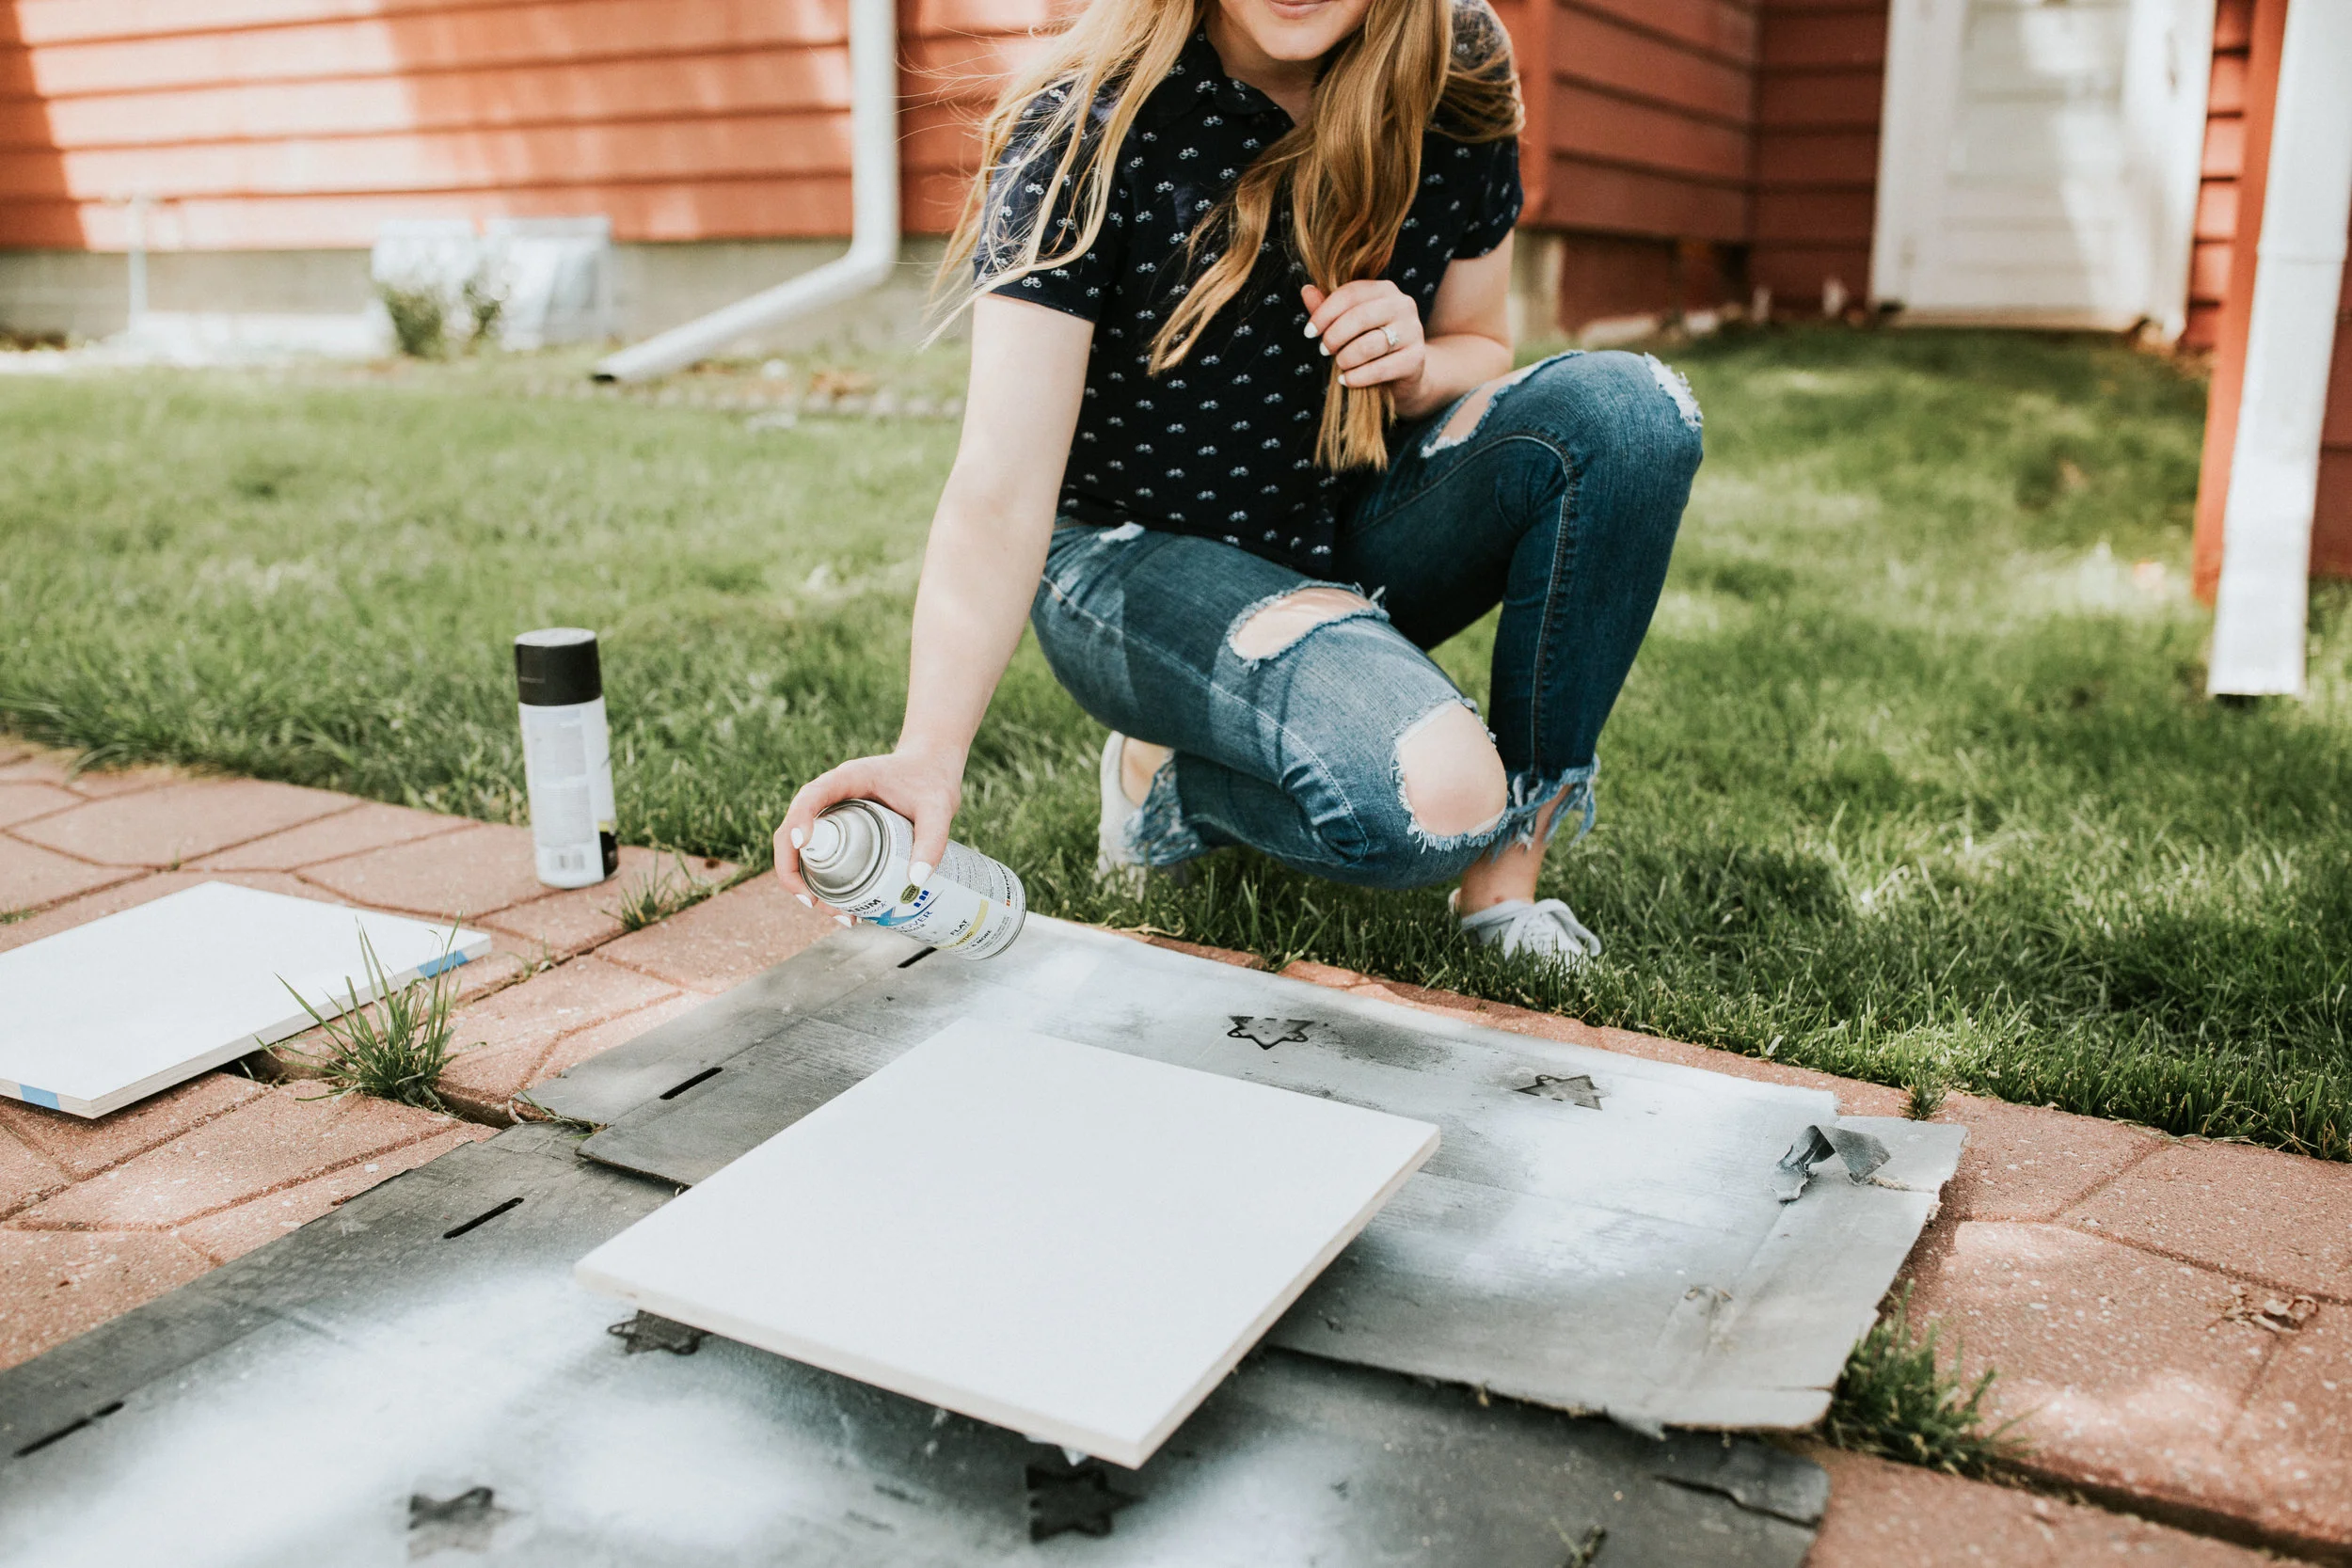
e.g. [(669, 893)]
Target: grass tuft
[(649, 900), (1896, 1401), (395, 1047)]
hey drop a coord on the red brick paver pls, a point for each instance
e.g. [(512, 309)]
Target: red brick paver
[(371, 826), (26, 1176), (177, 822), (2028, 1163), (2271, 1216), (720, 943), (469, 874), (22, 802), (572, 1050), (582, 918), (283, 1136), (1885, 1515), (2108, 1352), (82, 1149), (2293, 1441), (55, 1284), (31, 876), (235, 1231), (502, 1040)]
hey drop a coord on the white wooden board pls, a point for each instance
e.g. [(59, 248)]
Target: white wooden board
[(1070, 1242), (107, 1013)]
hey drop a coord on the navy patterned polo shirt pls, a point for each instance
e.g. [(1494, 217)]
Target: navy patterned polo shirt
[(1223, 444)]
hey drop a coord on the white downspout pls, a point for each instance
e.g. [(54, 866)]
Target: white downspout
[(2258, 612), (873, 252)]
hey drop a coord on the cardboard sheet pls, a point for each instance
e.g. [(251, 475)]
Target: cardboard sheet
[(1073, 1242), (1598, 1232), (422, 1384), (107, 1013)]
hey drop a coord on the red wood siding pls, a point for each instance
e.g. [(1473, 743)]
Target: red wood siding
[(2331, 524), (2225, 162), (1818, 86), (255, 124)]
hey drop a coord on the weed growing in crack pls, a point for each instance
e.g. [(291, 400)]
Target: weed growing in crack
[(395, 1047), (1895, 1400), (651, 900), (1927, 1087)]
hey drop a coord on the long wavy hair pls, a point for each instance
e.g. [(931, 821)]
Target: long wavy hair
[(1348, 172)]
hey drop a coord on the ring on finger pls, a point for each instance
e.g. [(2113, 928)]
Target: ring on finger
[(1390, 333)]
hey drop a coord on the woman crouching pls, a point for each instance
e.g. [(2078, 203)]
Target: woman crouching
[(1243, 440)]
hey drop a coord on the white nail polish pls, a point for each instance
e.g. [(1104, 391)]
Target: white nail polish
[(918, 872), (806, 902), (1323, 349), (843, 920), (1313, 331), (799, 838)]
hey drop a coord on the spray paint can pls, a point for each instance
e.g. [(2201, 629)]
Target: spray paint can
[(856, 859), (568, 757)]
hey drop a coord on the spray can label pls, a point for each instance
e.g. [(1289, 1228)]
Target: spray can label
[(972, 907), (567, 766)]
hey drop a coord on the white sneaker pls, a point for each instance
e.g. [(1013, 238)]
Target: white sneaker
[(1549, 930), (1114, 861)]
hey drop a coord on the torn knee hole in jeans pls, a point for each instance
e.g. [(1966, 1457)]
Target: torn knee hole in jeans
[(1451, 778), (1677, 386), (1275, 625), (1471, 412)]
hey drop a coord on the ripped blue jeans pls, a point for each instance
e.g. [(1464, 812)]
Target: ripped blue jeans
[(1556, 493)]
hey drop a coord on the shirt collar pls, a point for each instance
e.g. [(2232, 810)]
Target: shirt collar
[(1198, 79)]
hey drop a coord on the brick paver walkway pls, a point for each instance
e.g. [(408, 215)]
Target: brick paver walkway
[(2093, 1264), (98, 1217)]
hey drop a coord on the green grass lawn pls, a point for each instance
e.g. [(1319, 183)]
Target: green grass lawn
[(1914, 780)]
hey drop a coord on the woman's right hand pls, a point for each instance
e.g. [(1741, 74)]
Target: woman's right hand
[(926, 788)]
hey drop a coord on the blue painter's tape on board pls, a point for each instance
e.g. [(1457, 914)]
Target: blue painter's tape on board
[(38, 1097), (431, 967)]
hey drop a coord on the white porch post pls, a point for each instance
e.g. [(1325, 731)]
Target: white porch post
[(2258, 612)]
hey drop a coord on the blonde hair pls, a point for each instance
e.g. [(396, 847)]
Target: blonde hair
[(1349, 171)]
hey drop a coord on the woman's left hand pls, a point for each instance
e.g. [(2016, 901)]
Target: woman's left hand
[(1372, 329)]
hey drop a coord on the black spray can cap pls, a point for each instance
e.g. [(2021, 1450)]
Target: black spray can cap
[(556, 666)]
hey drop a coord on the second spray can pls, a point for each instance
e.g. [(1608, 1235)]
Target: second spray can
[(856, 859)]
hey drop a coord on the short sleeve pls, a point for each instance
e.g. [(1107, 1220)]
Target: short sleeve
[(1495, 210), (1023, 185)]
